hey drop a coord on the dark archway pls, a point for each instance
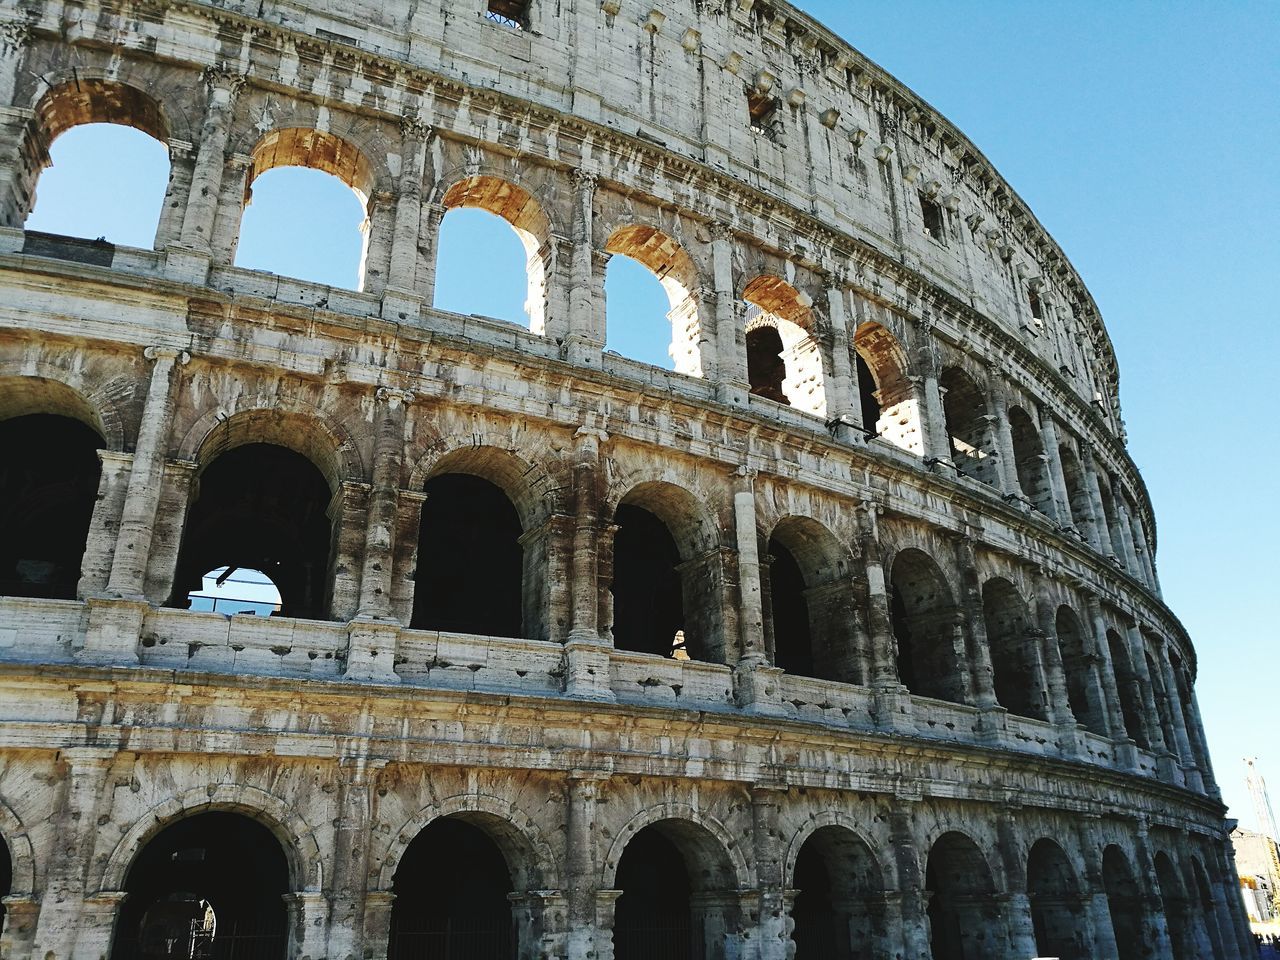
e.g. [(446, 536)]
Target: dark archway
[(839, 906), (1030, 461), (261, 507), (809, 600), (1124, 902), (648, 596), (1019, 679), (964, 409), (766, 370), (1057, 909), (1130, 689), (48, 488), (470, 561), (452, 888), (886, 393), (868, 399), (6, 876), (208, 887), (792, 636), (1177, 910), (1078, 501), (1082, 692), (964, 917), (923, 616)]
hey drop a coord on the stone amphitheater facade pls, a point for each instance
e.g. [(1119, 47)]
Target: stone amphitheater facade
[(925, 699)]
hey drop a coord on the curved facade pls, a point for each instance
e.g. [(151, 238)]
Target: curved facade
[(844, 639)]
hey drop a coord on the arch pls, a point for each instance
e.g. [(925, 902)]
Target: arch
[(523, 846), (1030, 460), (1078, 501), (1200, 892), (296, 836), (1109, 535), (1164, 707), (968, 423), (667, 260), (1124, 903), (21, 877), (888, 399), (1057, 907), (1015, 657), (1177, 909), (37, 387), (809, 599), (925, 624), (1129, 687), (784, 319), (721, 861), (490, 456), (1077, 665), (964, 916), (516, 205), (839, 908)]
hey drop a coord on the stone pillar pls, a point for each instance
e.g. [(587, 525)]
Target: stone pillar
[(1195, 728), (982, 673), (15, 187), (589, 936), (1151, 713), (733, 387), (431, 217), (347, 510), (910, 874), (757, 685), (75, 827), (933, 415), (1097, 908), (97, 926), (1008, 460), (379, 229), (376, 928), (21, 916), (390, 411), (133, 544), (1060, 713), (176, 485), (893, 702), (774, 930), (405, 561), (1057, 478), (308, 915), (1107, 677), (14, 35), (100, 545), (1022, 934), (1153, 916), (174, 208), (1228, 879), (1093, 482), (844, 411), (1182, 741), (585, 340), (189, 258), (400, 300), (357, 779), (1142, 547), (586, 651), (1129, 561)]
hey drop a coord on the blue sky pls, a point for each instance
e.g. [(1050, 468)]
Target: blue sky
[(1145, 135)]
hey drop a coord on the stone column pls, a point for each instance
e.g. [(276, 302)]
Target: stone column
[(390, 411), (189, 258), (1228, 878), (893, 702), (1151, 713), (732, 384), (1195, 728), (1146, 562), (774, 925), (405, 562), (912, 898), (1096, 905), (1182, 741), (1022, 935), (1004, 446), (14, 35), (1102, 522), (15, 186), (586, 651), (585, 340), (400, 299), (933, 415), (100, 545), (431, 217), (308, 915), (378, 228), (982, 673), (21, 916), (757, 685), (347, 511), (588, 936), (1057, 478), (174, 208), (1107, 677), (1153, 918), (1130, 560), (376, 928), (133, 544), (357, 779), (1060, 713), (844, 412), (75, 827), (97, 926), (176, 484)]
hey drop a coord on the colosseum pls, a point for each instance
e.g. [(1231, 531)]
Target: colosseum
[(840, 639)]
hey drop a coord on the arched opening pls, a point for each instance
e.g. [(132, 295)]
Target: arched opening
[(666, 576), (470, 573), (839, 907), (231, 591), (1078, 667), (1015, 659), (48, 489), (968, 423), (452, 890), (1030, 460), (964, 917), (924, 619), (105, 148), (786, 365), (1129, 688), (809, 598), (1201, 892), (1163, 706), (675, 903), (887, 397), (521, 211), (649, 274), (6, 877), (1177, 910), (1110, 533), (261, 507), (470, 236), (1057, 908), (1124, 902), (208, 887), (1077, 491), (327, 197), (1182, 682)]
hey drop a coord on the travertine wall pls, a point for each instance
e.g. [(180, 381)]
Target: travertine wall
[(990, 519)]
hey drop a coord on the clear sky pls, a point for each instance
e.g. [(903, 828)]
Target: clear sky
[(1146, 137)]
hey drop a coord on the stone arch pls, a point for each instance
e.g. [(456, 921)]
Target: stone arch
[(1030, 460), (787, 312), (725, 865), (314, 149), (925, 623), (1124, 903), (44, 388), (1015, 659), (968, 424), (506, 197), (1082, 692), (839, 884), (492, 456), (669, 262), (809, 602), (1078, 501), (1200, 892), (964, 916), (297, 837), (519, 838), (1056, 903), (690, 519), (24, 880), (889, 404), (1177, 908), (1129, 687)]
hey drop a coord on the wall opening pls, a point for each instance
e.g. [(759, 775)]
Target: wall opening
[(1055, 903), (868, 399), (648, 595), (1078, 667), (1124, 902), (935, 222), (48, 489), (509, 13), (968, 426), (451, 889), (635, 326), (766, 369), (924, 620), (261, 507), (1019, 679), (1030, 460), (469, 236), (1077, 492), (1130, 689), (470, 574), (776, 304), (886, 394), (1163, 714), (6, 876), (792, 637), (209, 887), (809, 605), (839, 910), (233, 590), (1176, 910), (964, 916)]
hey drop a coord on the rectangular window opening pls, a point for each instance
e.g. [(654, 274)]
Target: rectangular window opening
[(763, 110), (1037, 307), (509, 13), (934, 223)]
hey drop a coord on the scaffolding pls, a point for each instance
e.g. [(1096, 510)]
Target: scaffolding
[(1266, 821)]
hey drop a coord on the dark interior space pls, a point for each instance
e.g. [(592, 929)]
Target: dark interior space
[(654, 916), (648, 602), (765, 367)]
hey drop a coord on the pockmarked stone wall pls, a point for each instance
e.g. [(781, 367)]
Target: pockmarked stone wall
[(842, 638)]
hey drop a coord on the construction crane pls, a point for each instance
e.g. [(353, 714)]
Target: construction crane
[(1266, 821)]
